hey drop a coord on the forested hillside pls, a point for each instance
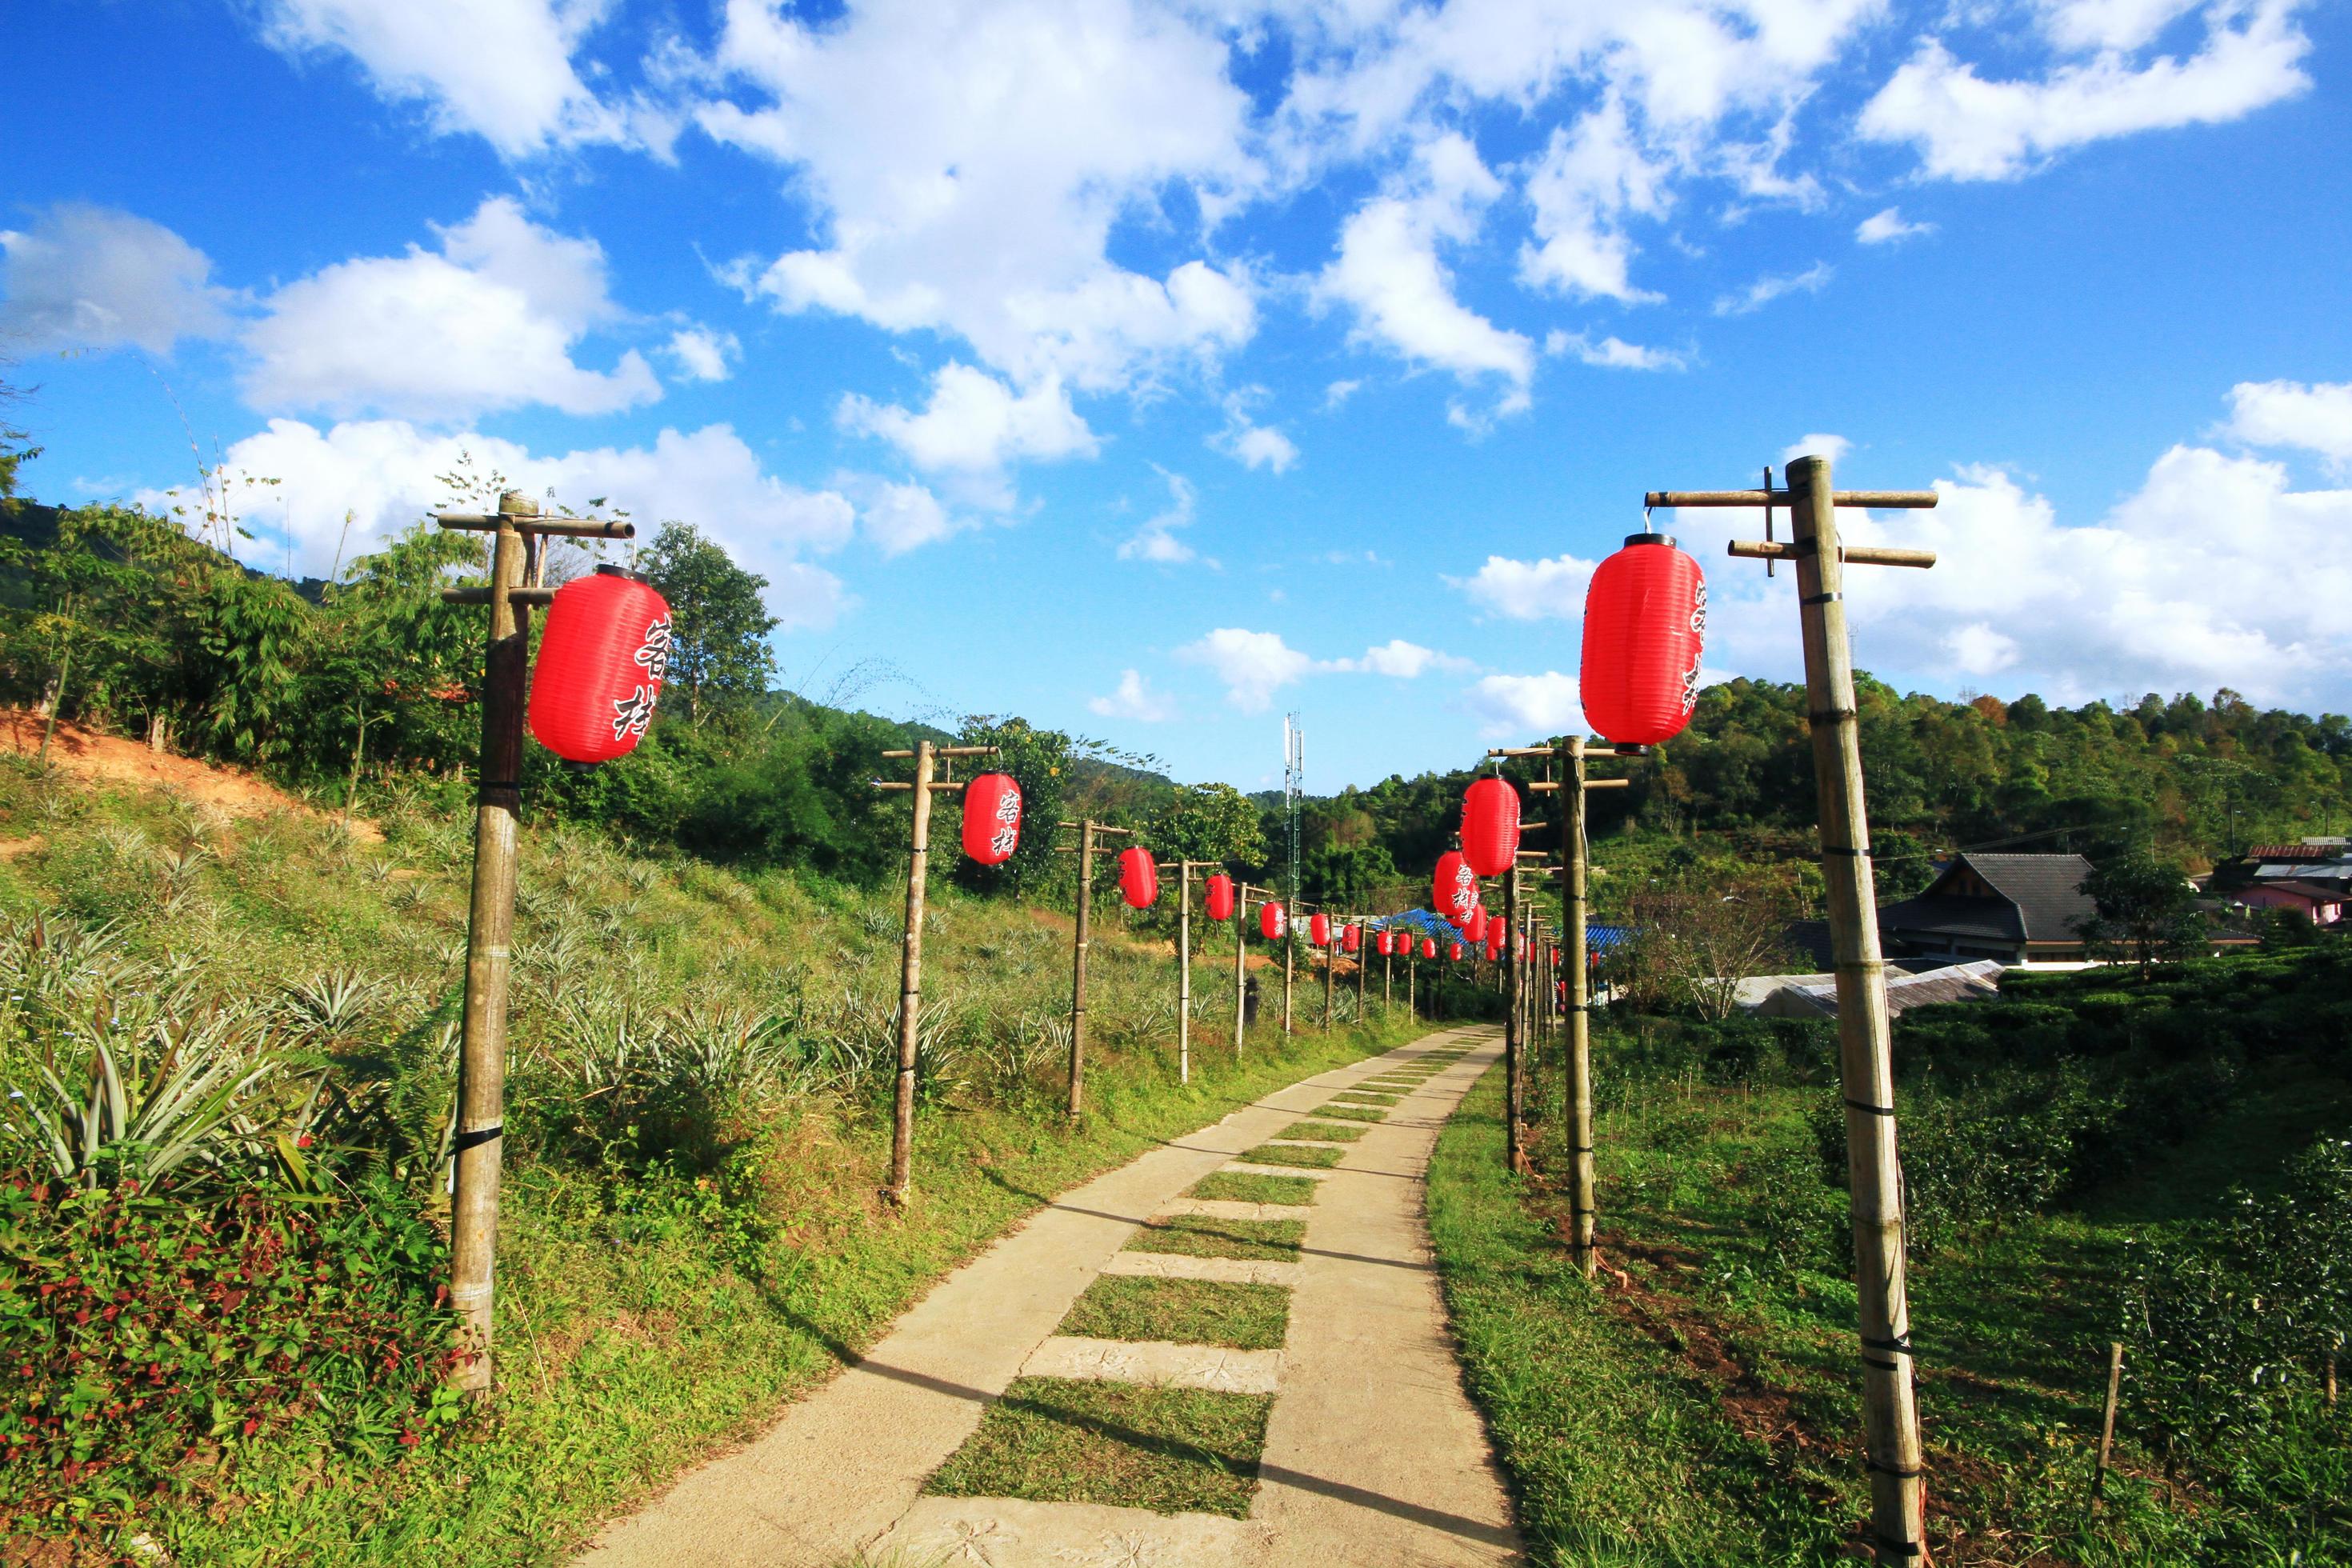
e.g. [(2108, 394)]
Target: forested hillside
[(138, 627)]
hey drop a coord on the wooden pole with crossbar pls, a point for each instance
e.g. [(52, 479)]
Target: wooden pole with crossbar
[(1865, 1046)]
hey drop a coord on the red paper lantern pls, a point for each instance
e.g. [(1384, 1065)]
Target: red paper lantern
[(1318, 928), (1475, 928), (1644, 627), (601, 664), (1271, 921), (1352, 939), (1453, 888), (992, 818), (1221, 896), (1454, 951), (1490, 826), (1139, 878), (1429, 947)]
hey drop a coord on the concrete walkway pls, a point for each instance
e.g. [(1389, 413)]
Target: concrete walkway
[(1373, 1454)]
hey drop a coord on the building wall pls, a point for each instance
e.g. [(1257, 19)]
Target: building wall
[(2261, 898)]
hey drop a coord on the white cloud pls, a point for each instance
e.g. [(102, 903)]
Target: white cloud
[(1612, 353), (487, 323), (1967, 128), (1156, 541), (1765, 290), (2176, 588), (1389, 272), (975, 424), (499, 68), (1580, 188), (901, 517), (1252, 666), (383, 471), (1530, 590), (703, 355), (2316, 418), (1253, 446), (1886, 226), (967, 163), (1134, 699), (97, 278), (1530, 706), (1339, 392), (1401, 659), (1818, 444)]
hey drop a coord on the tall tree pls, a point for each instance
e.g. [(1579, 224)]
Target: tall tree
[(719, 652), (2147, 911)]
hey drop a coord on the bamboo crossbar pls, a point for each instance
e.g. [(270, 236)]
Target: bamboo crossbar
[(892, 784), (572, 527), (1880, 500), (482, 596), (1851, 555)]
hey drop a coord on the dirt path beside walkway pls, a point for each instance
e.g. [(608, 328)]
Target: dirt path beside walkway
[(1364, 1449)]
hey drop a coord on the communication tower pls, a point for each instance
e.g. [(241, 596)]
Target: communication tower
[(1294, 781)]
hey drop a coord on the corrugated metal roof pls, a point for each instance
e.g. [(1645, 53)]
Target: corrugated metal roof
[(1976, 982)]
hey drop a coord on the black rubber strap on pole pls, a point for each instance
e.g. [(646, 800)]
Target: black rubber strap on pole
[(1883, 1367), (1821, 598), (1895, 1471), (477, 1137), (1896, 1548), (1901, 1343), (1860, 853), (505, 793), (1875, 1111), (1832, 715)]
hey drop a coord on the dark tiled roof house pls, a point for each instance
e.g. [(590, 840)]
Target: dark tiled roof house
[(2009, 907)]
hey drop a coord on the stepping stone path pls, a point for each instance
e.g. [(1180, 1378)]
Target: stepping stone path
[(1351, 1443)]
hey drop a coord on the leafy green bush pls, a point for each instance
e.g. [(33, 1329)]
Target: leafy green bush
[(2232, 1327)]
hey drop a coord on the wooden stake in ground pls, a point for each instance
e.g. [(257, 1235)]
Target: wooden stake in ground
[(1514, 1154), (1330, 963), (1241, 965), (1289, 963), (1363, 970), (1185, 971), (1388, 974), (1866, 1066), (1085, 852), (910, 959), (476, 1147), (2108, 1419)]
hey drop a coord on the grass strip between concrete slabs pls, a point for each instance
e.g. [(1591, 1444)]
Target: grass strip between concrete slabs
[(1359, 1096), (1366, 1113), (1172, 1450), (1282, 1154), (1329, 1131), (1205, 1235), (1182, 1311), (1248, 1187)]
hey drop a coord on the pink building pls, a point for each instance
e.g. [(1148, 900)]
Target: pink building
[(2320, 902)]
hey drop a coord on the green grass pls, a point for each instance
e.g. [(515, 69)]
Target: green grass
[(1203, 1235), (1618, 1459), (1246, 1187), (1367, 1113), (1329, 1131), (1185, 1311), (648, 1315), (1172, 1450), (1279, 1154), (1361, 1096)]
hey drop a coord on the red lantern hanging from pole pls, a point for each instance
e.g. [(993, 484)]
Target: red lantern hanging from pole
[(1271, 921), (1429, 947), (992, 818), (1475, 928), (1454, 951), (1139, 878), (1318, 928), (601, 665), (1644, 628), (1352, 939), (1490, 826), (1221, 896), (1453, 888)]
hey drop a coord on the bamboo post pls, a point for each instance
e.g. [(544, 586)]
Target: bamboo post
[(477, 1145), (2108, 1419), (1388, 976), (1185, 971), (910, 984), (1866, 1069), (1289, 963), (1241, 965), (1330, 965), (1514, 1153), (477, 1150), (1080, 937), (1363, 969), (1412, 962), (1577, 1080)]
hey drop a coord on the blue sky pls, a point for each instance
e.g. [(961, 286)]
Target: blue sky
[(1152, 369)]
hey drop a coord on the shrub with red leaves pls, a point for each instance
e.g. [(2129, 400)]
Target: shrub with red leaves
[(139, 1327)]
